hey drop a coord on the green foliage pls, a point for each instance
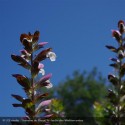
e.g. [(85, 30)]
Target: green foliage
[(80, 92)]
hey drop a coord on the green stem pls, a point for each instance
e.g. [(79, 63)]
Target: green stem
[(119, 85), (32, 84)]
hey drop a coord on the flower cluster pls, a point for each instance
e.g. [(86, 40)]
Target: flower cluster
[(34, 104), (116, 96)]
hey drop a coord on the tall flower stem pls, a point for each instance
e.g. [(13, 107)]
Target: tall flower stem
[(118, 91), (35, 103), (32, 84), (117, 95)]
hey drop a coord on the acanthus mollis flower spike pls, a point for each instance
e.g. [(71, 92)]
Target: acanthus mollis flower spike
[(51, 56), (32, 62), (121, 26), (117, 35)]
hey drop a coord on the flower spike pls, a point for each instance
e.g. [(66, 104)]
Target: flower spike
[(31, 84)]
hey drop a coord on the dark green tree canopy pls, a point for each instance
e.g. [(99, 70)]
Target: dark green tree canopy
[(79, 92)]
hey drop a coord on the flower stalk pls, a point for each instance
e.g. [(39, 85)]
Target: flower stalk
[(116, 96), (34, 104)]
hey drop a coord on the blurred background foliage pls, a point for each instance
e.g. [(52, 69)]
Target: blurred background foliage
[(82, 95)]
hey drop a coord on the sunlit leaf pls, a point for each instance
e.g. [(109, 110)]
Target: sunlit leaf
[(27, 103)]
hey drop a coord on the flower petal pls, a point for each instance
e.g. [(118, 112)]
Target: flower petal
[(46, 77), (43, 103), (40, 45), (42, 71), (50, 85), (51, 55)]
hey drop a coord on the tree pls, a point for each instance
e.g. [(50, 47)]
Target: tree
[(80, 92)]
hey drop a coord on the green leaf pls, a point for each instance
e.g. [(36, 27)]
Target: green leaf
[(27, 103)]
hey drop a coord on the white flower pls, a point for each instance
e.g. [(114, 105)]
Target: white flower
[(51, 55), (120, 52), (50, 85), (42, 71)]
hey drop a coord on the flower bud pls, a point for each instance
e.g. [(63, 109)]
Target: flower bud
[(117, 35), (121, 26)]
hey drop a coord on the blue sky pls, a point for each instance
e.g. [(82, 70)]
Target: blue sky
[(77, 30)]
